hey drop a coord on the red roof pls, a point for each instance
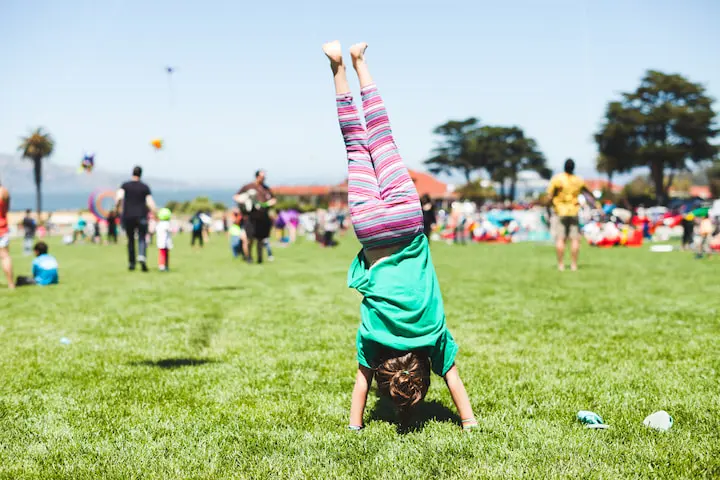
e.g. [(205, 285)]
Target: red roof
[(700, 192), (695, 191), (424, 183), (598, 184)]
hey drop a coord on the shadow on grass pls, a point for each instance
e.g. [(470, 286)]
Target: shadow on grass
[(385, 411), (226, 288), (170, 363)]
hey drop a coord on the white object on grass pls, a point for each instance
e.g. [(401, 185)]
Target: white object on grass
[(65, 341), (661, 248), (597, 426), (661, 421)]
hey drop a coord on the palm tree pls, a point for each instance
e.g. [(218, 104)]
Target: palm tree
[(37, 146)]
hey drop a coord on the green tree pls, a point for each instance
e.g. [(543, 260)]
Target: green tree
[(37, 146), (513, 153), (451, 153), (682, 183), (640, 190), (614, 142), (501, 152), (200, 204), (607, 165), (665, 124), (477, 191), (486, 151)]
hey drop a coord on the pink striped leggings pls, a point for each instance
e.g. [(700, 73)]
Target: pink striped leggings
[(384, 205)]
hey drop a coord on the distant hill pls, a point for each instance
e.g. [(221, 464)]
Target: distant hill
[(16, 174)]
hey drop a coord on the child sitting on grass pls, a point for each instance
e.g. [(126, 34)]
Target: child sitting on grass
[(44, 268), (402, 335)]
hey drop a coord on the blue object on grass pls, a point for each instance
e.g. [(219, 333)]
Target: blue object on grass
[(589, 418)]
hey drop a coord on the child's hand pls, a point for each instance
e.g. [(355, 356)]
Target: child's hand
[(363, 379), (460, 398), (469, 424)]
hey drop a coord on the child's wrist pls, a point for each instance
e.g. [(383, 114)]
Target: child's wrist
[(469, 423)]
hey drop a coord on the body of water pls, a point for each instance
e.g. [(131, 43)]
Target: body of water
[(53, 202)]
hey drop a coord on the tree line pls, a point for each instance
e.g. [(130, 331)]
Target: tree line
[(198, 204), (666, 125), (500, 152)]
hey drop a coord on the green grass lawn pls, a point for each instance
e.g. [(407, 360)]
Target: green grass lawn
[(223, 370)]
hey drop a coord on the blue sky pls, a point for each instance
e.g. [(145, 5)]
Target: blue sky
[(252, 88)]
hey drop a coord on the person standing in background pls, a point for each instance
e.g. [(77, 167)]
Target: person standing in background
[(705, 230), (5, 258), (563, 193), (255, 199), (135, 201), (238, 239), (429, 217), (79, 229), (331, 227), (197, 227), (163, 232), (29, 228), (96, 238), (688, 226), (112, 227)]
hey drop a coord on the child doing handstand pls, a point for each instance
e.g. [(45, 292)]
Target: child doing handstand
[(402, 335)]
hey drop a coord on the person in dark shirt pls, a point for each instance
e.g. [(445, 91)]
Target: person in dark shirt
[(112, 227), (688, 226), (96, 238), (197, 226), (429, 217), (29, 228), (136, 202), (254, 200)]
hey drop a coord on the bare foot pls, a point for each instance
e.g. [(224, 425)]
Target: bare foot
[(333, 50), (357, 52)]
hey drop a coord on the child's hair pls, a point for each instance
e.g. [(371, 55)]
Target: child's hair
[(41, 248), (405, 378)]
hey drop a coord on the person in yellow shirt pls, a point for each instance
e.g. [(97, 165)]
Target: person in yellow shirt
[(563, 192)]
